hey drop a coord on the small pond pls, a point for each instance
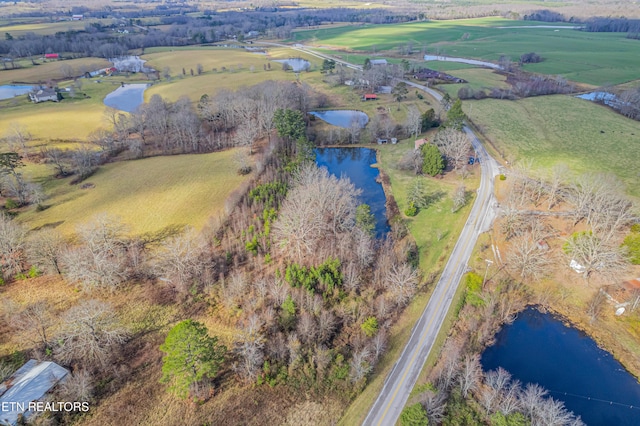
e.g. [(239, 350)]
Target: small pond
[(126, 98), (355, 163), (296, 64), (342, 117), (9, 91), (539, 348), (606, 98)]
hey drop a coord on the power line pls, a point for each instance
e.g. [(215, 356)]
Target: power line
[(590, 398)]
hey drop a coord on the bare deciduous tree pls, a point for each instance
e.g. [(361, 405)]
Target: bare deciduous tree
[(249, 347), (413, 123), (459, 198), (12, 247), (90, 332), (178, 261), (597, 256), (77, 386), (527, 256), (402, 282), (454, 145), (44, 249), (470, 374), (100, 260), (60, 159), (35, 322), (318, 207), (360, 365)]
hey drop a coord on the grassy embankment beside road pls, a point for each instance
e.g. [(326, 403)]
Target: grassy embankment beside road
[(591, 58)]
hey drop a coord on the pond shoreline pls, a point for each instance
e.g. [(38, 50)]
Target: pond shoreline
[(540, 346)]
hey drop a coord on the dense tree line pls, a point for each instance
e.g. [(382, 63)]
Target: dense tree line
[(100, 41), (612, 25)]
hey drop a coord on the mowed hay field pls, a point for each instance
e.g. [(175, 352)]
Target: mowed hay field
[(592, 58), (52, 70), (148, 194), (562, 129), (477, 78), (237, 62)]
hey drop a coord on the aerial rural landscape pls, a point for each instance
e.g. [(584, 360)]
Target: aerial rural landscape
[(411, 212)]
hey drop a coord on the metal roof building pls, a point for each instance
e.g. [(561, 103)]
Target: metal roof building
[(30, 383)]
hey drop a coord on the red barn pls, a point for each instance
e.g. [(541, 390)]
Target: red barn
[(370, 97), (51, 56)]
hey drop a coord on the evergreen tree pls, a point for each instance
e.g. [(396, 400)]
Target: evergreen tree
[(191, 356), (289, 123), (455, 116), (365, 219), (414, 415), (432, 161)]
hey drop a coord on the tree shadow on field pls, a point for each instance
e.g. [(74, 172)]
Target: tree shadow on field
[(434, 197)]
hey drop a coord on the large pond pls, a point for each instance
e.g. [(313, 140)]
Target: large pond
[(11, 91), (539, 348), (342, 117), (296, 64), (126, 98), (355, 163)]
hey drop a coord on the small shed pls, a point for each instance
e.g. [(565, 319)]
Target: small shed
[(378, 62), (51, 56), (30, 383), (419, 142), (369, 97), (77, 17)]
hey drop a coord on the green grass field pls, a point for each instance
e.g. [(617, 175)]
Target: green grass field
[(592, 58), (562, 129), (148, 194), (477, 78)]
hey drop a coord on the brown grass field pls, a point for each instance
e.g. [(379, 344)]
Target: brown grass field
[(52, 70), (148, 194)]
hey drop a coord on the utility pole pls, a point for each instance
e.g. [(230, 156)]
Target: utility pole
[(484, 279)]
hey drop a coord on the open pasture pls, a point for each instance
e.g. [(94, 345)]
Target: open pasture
[(242, 68), (50, 28), (52, 70), (148, 194), (562, 129), (477, 78), (592, 58)]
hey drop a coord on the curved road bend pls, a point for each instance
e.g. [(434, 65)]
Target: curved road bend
[(402, 378)]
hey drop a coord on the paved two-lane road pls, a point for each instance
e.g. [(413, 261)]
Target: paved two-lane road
[(398, 385)]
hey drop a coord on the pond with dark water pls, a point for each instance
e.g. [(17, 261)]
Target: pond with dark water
[(355, 163), (540, 348), (9, 91), (126, 98), (342, 117)]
